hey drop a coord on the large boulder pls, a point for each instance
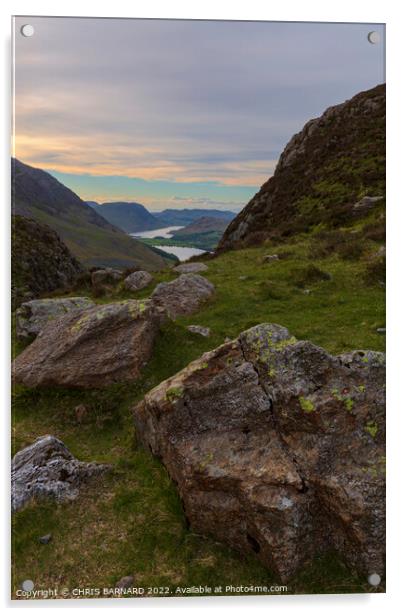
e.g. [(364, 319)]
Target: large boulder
[(137, 280), (31, 317), (91, 348), (277, 448), (190, 268), (47, 469), (184, 295)]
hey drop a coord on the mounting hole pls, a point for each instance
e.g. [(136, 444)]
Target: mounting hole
[(373, 37), (27, 30), (28, 585), (374, 579)]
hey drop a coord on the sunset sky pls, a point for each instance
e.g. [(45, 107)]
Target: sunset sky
[(177, 113)]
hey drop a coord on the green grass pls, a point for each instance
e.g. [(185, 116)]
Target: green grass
[(131, 522)]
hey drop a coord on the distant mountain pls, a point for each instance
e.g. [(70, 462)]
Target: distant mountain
[(129, 216), (92, 239), (206, 224), (170, 218), (40, 261), (325, 170)]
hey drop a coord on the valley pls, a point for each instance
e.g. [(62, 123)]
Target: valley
[(232, 395)]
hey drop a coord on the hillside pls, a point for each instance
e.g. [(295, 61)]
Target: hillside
[(168, 218), (202, 225), (40, 261), (130, 217), (318, 271), (334, 162), (138, 526), (90, 238)]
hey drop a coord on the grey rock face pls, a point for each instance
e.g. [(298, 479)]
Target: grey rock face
[(106, 344), (198, 329), (190, 268), (31, 317), (183, 295), (137, 281), (47, 469), (277, 448)]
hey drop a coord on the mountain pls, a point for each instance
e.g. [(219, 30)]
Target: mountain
[(92, 239), (170, 218), (205, 224), (333, 163), (130, 217), (40, 261)]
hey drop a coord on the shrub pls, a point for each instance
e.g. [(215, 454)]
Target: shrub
[(352, 251), (309, 274), (270, 290), (375, 231), (376, 271)]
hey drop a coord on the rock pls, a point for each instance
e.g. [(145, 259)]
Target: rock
[(366, 204), (125, 582), (47, 469), (198, 329), (381, 330), (138, 280), (45, 539), (270, 258), (106, 344), (277, 448), (288, 204), (31, 317), (381, 252), (183, 295), (106, 278), (40, 261), (81, 411), (190, 268)]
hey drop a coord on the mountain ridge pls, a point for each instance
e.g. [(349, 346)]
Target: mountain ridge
[(129, 216), (332, 163), (91, 239)]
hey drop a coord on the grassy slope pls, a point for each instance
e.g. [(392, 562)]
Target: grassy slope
[(94, 245), (131, 523)]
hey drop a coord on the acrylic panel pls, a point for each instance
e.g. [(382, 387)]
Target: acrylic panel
[(198, 302)]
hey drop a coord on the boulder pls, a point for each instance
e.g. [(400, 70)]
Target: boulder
[(106, 278), (199, 329), (92, 348), (190, 268), (183, 295), (31, 317), (277, 448), (137, 280), (270, 258), (47, 469)]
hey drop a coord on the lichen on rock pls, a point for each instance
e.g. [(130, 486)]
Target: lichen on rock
[(267, 458)]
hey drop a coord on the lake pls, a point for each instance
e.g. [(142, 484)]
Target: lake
[(181, 252), (165, 232)]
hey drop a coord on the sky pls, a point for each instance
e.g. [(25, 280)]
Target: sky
[(176, 114)]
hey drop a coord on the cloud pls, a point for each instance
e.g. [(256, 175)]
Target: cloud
[(179, 101)]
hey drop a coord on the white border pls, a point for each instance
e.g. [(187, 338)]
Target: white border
[(287, 10)]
